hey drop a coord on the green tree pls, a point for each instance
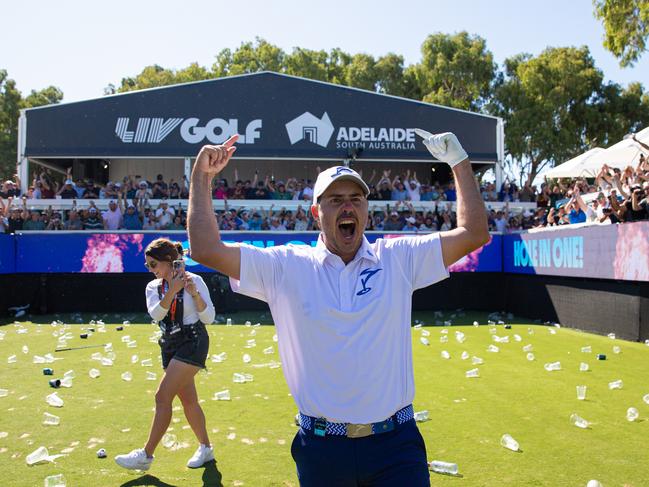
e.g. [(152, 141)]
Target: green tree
[(389, 75), (249, 58), (455, 70), (308, 64), (11, 102), (546, 104), (627, 27)]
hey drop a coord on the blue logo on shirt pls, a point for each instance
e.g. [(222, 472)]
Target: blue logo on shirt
[(367, 273)]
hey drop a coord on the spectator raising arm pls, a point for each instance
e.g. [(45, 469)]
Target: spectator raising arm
[(205, 241)]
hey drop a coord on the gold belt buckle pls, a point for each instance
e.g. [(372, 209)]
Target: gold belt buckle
[(358, 430)]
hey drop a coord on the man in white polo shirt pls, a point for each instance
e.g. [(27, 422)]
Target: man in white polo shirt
[(342, 311)]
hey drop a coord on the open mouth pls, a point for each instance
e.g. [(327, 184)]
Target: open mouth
[(347, 227)]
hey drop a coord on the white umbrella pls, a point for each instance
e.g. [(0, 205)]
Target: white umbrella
[(572, 168), (624, 153)]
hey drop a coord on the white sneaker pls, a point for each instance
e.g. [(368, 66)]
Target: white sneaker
[(202, 455), (136, 460)]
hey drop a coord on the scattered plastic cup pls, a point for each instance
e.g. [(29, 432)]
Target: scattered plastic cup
[(268, 351), (477, 360), (530, 356), (421, 416), (151, 376), (37, 456), (169, 440), (594, 483), (465, 355), (51, 419), (472, 373), (55, 383), (54, 400), (55, 481), (578, 421), (551, 366), (581, 392), (11, 359), (632, 414), (493, 349), (38, 359), (246, 358), (443, 339), (616, 384), (508, 442), (147, 362), (70, 373), (616, 349), (528, 348), (127, 376), (94, 373), (222, 395), (587, 349), (4, 392), (424, 341), (645, 398), (134, 358), (611, 336), (228, 322), (106, 361), (447, 468), (445, 355), (583, 367), (25, 349)]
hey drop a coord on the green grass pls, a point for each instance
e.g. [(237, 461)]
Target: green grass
[(468, 416)]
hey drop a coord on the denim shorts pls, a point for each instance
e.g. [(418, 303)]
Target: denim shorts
[(191, 346)]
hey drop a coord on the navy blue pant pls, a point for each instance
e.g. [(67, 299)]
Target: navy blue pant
[(397, 458)]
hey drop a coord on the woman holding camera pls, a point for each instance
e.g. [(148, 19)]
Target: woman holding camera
[(181, 304)]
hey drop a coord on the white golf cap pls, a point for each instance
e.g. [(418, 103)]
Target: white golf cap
[(337, 173)]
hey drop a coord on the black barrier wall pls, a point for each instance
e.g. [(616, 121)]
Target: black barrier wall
[(598, 306)]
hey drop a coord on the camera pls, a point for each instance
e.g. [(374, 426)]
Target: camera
[(178, 264)]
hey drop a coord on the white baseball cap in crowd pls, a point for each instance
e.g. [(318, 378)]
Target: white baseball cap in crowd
[(69, 181), (411, 220), (337, 173)]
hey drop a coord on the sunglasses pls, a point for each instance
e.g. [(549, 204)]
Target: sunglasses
[(152, 265)]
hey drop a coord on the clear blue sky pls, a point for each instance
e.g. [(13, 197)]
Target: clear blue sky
[(82, 46)]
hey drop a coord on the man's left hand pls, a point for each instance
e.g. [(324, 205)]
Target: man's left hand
[(444, 147)]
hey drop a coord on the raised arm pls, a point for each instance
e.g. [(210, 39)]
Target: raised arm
[(204, 237), (472, 231)]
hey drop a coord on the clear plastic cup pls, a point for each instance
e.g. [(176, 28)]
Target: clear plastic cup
[(447, 468), (106, 361), (581, 392), (246, 358), (587, 349), (66, 382), (578, 421), (583, 367), (54, 400), (169, 440), (616, 349), (37, 456), (632, 414), (70, 373), (493, 349), (38, 359), (472, 373), (228, 322), (528, 348), (645, 398), (151, 376), (127, 376), (51, 419), (269, 350), (616, 384), (94, 373), (445, 355), (134, 358), (424, 341), (4, 392), (222, 395), (421, 416), (477, 360), (530, 356), (55, 481), (147, 362), (465, 355), (508, 442), (11, 359)]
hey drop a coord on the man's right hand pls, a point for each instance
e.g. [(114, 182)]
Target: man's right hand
[(212, 159)]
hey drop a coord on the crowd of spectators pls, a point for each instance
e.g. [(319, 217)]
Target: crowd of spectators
[(614, 196)]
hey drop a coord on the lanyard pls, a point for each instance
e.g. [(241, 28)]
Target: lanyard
[(172, 308)]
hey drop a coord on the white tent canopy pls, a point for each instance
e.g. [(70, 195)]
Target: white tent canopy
[(574, 167), (624, 153)]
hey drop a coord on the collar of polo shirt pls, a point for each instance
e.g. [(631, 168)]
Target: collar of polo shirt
[(364, 252)]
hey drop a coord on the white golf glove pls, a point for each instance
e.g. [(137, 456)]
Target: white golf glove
[(444, 147)]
